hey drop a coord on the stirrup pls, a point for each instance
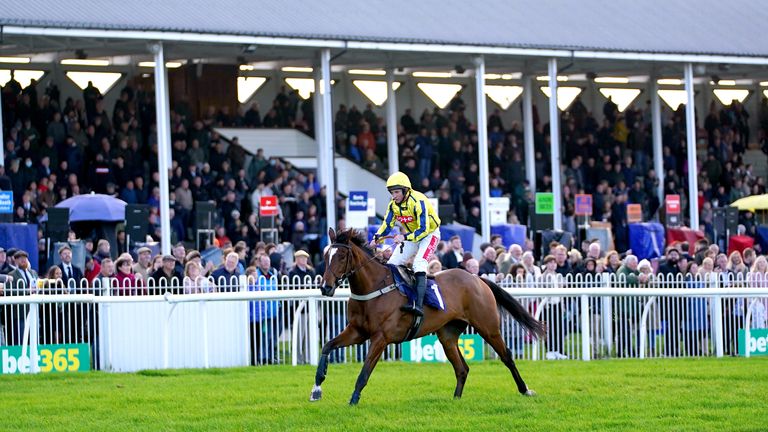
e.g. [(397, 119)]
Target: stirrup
[(413, 309)]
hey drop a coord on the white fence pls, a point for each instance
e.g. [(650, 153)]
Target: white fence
[(254, 322)]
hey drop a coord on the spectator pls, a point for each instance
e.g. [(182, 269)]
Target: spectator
[(166, 278), (127, 284), (301, 268), (194, 281), (227, 277), (263, 314), (143, 266)]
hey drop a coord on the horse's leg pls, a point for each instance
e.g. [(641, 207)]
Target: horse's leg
[(494, 339), (378, 343), (347, 337), (449, 337)]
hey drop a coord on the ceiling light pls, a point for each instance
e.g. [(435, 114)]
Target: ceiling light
[(296, 69), (612, 80), (84, 62), (431, 74), (15, 59), (377, 72)]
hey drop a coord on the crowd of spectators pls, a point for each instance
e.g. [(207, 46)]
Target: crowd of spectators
[(611, 159), (56, 149)]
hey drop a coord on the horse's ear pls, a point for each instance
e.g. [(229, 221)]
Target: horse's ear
[(331, 234)]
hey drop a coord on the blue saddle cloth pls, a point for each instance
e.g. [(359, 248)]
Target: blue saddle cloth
[(433, 297)]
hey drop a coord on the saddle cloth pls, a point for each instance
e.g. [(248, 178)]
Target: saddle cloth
[(406, 284)]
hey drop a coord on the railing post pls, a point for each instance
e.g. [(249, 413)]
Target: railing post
[(314, 331), (644, 326), (747, 326), (586, 352), (167, 336), (607, 315), (32, 322), (717, 320), (204, 313)]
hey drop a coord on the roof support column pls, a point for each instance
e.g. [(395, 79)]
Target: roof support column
[(482, 146), (392, 151), (162, 110), (326, 153), (2, 131), (690, 138), (554, 134), (530, 151), (658, 154)]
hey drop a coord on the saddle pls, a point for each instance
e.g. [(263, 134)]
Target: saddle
[(405, 280)]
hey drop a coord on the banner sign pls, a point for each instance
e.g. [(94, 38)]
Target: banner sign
[(358, 201), (428, 349), (757, 344), (51, 358), (268, 206), (673, 204), (6, 202), (583, 205), (545, 203)]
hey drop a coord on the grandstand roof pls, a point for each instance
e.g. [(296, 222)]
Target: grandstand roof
[(706, 27)]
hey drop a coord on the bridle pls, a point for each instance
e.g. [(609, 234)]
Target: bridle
[(348, 274)]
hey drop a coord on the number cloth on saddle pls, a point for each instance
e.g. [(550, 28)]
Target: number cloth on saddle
[(405, 281)]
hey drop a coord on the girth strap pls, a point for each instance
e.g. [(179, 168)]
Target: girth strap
[(373, 295), (415, 327)]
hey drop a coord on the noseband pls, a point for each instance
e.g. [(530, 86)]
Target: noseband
[(348, 274)]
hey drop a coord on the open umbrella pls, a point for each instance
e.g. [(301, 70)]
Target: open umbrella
[(94, 207), (752, 203)]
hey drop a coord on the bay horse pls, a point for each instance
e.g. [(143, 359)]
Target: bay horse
[(468, 300)]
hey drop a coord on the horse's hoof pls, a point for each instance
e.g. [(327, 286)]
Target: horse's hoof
[(529, 392), (316, 394), (355, 399)]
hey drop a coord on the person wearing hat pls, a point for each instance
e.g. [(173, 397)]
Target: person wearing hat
[(10, 263), (301, 268), (143, 264), (25, 277), (5, 266), (70, 274), (419, 219), (166, 278)]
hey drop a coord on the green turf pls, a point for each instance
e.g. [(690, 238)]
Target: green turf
[(654, 395)]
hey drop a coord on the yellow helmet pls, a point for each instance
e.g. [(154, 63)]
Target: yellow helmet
[(398, 180)]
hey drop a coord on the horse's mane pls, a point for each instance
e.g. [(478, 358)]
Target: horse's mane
[(355, 237)]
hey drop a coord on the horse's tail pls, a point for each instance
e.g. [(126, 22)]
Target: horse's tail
[(519, 313)]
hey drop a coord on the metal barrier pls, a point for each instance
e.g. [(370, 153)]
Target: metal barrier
[(246, 321)]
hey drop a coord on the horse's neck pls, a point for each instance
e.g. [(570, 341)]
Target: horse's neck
[(370, 275)]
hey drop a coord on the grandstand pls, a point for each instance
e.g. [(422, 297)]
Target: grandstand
[(193, 115)]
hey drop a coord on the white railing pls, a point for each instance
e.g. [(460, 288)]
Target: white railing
[(239, 324)]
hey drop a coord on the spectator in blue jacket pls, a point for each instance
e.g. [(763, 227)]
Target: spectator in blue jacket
[(263, 314)]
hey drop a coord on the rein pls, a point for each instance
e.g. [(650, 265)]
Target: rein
[(346, 275)]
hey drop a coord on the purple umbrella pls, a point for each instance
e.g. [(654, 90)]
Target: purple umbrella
[(94, 207)]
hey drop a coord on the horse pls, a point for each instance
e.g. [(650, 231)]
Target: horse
[(376, 315)]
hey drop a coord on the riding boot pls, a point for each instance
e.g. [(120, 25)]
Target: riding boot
[(421, 289)]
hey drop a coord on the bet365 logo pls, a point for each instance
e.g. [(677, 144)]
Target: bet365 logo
[(429, 349), (51, 358)]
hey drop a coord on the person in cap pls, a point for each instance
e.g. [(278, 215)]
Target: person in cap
[(166, 278), (143, 266), (413, 211), (10, 261), (5, 266), (301, 267), (24, 276)]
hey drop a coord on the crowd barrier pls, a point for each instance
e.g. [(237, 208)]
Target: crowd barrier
[(247, 321)]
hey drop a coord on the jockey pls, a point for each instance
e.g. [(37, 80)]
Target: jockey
[(414, 212)]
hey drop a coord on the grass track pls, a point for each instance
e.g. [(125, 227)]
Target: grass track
[(655, 395)]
